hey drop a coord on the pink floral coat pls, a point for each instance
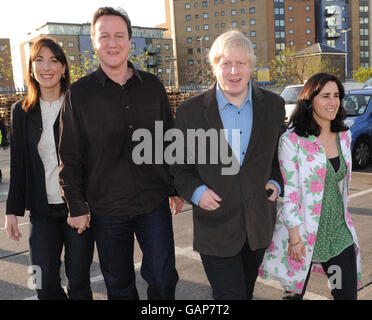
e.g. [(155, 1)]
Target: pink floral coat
[(303, 166)]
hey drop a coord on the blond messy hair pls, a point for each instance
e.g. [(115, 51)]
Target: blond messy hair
[(228, 41)]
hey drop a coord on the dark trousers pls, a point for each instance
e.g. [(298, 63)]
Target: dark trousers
[(346, 261), (115, 244), (48, 235), (233, 278)]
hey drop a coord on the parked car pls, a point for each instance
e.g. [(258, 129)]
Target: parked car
[(358, 106), (368, 83), (290, 95)]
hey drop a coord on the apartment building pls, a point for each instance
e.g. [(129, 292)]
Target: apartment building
[(6, 69), (360, 49), (272, 25), (76, 41)]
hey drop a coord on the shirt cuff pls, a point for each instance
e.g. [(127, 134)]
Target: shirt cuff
[(198, 193), (277, 185)]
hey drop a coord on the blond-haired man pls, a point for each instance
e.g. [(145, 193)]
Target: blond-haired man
[(233, 214)]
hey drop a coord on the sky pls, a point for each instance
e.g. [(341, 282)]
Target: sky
[(18, 17)]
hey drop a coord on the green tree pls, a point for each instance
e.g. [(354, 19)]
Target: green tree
[(289, 68), (85, 64), (6, 68), (362, 74)]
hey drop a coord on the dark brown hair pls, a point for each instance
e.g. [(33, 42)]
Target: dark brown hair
[(109, 11), (302, 119), (33, 91)]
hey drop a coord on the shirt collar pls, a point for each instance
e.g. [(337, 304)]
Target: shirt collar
[(103, 77), (223, 102)]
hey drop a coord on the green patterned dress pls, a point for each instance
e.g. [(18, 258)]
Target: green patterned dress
[(333, 234)]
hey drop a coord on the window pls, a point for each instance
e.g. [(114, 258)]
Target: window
[(290, 19), (188, 29), (253, 33), (205, 15), (60, 43), (205, 3), (291, 31), (308, 8), (191, 62), (71, 58), (189, 51), (308, 31), (189, 40), (166, 46), (206, 27), (252, 22), (290, 8), (233, 1), (308, 42), (308, 19), (252, 10), (187, 5), (234, 24), (188, 17), (233, 12), (70, 44)]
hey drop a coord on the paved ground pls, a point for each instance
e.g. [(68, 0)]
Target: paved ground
[(193, 284)]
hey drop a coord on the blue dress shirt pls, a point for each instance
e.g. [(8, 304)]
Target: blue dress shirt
[(233, 118)]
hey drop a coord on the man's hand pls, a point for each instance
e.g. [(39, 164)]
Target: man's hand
[(80, 222), (209, 200), (11, 227), (272, 186), (176, 203)]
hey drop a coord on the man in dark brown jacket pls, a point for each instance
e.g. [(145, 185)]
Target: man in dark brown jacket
[(234, 204)]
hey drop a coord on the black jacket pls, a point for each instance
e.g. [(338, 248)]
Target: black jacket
[(245, 211), (27, 188)]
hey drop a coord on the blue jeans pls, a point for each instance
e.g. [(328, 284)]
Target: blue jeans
[(114, 238), (48, 235)]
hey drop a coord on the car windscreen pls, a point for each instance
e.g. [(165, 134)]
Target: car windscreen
[(290, 94), (356, 104)]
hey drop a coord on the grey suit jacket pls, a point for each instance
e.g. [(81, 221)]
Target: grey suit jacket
[(245, 212)]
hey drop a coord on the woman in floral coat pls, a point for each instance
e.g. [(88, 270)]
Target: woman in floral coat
[(314, 227)]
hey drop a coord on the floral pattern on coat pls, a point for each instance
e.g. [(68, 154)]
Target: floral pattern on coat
[(303, 165)]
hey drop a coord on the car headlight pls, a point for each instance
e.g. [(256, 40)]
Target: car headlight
[(349, 122)]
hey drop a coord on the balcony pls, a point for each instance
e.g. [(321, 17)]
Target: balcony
[(152, 51), (332, 33)]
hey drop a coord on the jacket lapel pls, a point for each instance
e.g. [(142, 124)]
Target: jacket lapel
[(35, 124), (211, 112), (259, 111)]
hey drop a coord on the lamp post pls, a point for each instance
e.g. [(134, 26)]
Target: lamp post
[(345, 31), (201, 56), (171, 59)]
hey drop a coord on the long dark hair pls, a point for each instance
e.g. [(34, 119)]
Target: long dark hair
[(302, 119), (33, 92)]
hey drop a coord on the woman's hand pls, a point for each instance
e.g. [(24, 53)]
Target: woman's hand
[(296, 250), (11, 227)]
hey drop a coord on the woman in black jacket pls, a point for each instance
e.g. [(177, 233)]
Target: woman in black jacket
[(34, 180)]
